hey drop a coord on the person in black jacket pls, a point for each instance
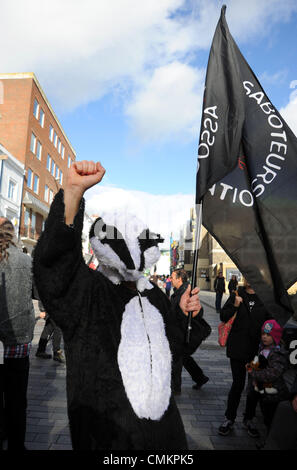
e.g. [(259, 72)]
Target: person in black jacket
[(233, 283), (180, 284), (242, 345), (219, 287)]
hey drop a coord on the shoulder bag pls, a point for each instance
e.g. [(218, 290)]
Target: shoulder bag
[(224, 330)]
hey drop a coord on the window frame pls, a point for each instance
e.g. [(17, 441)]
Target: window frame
[(38, 145), (14, 184), (34, 145), (51, 133), (41, 117), (36, 178), (46, 192), (48, 162), (51, 196), (36, 108), (30, 172), (27, 213)]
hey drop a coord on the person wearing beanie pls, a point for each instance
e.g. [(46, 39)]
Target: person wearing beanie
[(266, 383)]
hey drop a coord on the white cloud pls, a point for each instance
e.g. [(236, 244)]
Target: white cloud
[(273, 79), (169, 104), (164, 214), (289, 112), (80, 51), (257, 17)]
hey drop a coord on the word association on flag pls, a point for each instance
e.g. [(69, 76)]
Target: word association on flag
[(272, 161)]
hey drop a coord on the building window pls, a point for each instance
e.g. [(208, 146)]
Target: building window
[(51, 133), (46, 192), (13, 217), (11, 189), (61, 178), (36, 108), (55, 139), (33, 143), (38, 150), (63, 151), (48, 162), (57, 172), (59, 145), (29, 178), (53, 168), (26, 222), (69, 161), (36, 184), (33, 225), (51, 196), (41, 117)]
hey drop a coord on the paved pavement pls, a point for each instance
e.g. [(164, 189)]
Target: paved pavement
[(202, 411)]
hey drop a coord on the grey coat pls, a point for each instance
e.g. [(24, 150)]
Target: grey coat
[(17, 317)]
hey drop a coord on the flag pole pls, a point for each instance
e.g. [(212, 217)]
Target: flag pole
[(195, 263)]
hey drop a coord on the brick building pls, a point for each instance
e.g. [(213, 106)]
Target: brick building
[(31, 131)]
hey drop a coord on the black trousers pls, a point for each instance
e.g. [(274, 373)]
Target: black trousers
[(239, 376), (51, 331), (16, 374), (2, 420), (219, 296), (267, 407), (191, 367)]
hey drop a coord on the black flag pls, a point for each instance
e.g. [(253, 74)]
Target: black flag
[(247, 175)]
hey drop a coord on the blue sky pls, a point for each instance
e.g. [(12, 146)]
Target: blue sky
[(126, 78)]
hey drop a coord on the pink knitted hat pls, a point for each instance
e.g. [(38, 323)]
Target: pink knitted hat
[(272, 328)]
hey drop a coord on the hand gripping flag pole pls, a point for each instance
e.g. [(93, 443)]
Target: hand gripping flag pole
[(195, 263)]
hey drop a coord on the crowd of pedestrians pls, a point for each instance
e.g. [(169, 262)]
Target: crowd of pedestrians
[(254, 347)]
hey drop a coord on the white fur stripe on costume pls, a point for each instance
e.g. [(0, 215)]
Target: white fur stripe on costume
[(144, 359)]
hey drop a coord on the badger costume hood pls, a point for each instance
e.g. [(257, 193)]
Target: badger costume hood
[(124, 247)]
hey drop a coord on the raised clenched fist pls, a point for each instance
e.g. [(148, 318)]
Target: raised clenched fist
[(83, 175)]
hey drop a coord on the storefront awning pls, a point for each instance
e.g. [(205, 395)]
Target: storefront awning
[(35, 204)]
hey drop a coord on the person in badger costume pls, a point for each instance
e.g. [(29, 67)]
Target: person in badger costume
[(120, 334)]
